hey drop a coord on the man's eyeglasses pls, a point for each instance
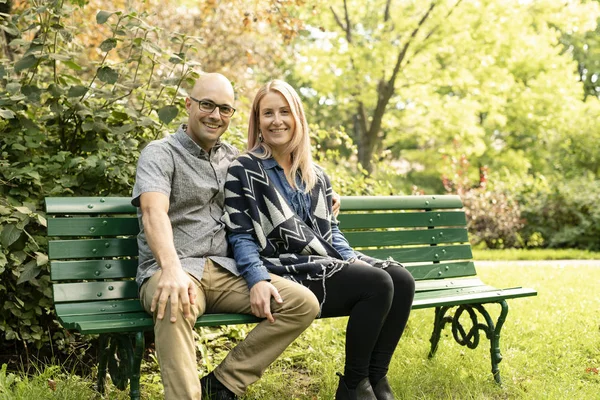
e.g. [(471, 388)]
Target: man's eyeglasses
[(208, 106)]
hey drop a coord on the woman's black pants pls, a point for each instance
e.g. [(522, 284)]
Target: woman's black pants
[(378, 302)]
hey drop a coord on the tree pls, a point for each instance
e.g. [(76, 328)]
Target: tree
[(413, 77)]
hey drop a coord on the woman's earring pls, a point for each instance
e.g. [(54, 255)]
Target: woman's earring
[(260, 137)]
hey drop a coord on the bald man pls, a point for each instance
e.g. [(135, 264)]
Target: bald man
[(184, 265)]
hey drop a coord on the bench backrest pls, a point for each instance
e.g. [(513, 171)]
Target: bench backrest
[(94, 258)]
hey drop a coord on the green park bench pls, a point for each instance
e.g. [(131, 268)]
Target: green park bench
[(93, 253)]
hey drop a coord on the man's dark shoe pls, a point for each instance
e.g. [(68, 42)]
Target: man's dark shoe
[(213, 389), (382, 389)]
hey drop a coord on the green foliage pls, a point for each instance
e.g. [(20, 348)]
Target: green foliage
[(72, 126), (493, 215), (335, 151), (565, 214)]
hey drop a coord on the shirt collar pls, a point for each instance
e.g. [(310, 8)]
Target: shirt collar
[(191, 146), (270, 163)]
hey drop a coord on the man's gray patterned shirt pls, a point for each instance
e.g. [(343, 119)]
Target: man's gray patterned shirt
[(193, 180)]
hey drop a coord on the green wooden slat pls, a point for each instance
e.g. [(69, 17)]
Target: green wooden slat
[(442, 270), (401, 220), (407, 237), (89, 205), (93, 226), (83, 248), (78, 308), (136, 324), (422, 253), (90, 291), (471, 298), (445, 284), (357, 203), (93, 269)]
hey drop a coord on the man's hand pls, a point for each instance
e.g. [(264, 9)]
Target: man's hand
[(260, 299), (337, 201), (174, 285)]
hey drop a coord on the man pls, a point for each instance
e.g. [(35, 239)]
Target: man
[(184, 269)]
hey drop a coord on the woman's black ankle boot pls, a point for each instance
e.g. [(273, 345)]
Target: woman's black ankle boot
[(362, 392), (382, 390)]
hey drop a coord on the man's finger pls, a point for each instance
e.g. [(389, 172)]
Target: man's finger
[(268, 315), (174, 307), (192, 294), (185, 306), (275, 294)]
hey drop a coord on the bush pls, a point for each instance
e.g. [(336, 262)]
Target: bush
[(493, 216), (70, 128), (565, 214)]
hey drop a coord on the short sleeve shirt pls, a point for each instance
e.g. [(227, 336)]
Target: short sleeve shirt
[(194, 180)]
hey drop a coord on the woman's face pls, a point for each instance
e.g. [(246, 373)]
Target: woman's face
[(276, 121)]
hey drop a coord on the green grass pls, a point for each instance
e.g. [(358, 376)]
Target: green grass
[(535, 254), (550, 346)]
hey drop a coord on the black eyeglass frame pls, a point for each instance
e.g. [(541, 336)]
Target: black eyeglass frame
[(214, 105)]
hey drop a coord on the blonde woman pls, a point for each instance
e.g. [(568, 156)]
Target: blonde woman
[(278, 210)]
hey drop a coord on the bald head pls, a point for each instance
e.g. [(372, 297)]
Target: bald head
[(213, 82)]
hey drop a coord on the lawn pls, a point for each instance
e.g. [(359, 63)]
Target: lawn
[(550, 344)]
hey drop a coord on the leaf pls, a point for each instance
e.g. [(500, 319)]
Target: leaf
[(10, 234), (18, 146), (30, 271), (25, 63), (4, 210), (59, 57), (77, 91), (107, 74), (6, 114), (41, 259), (41, 220), (108, 44), (23, 210), (3, 261), (73, 65), (103, 16), (167, 114), (10, 29)]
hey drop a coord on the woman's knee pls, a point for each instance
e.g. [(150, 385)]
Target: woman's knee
[(402, 279)]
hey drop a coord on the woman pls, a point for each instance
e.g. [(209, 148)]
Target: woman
[(278, 213)]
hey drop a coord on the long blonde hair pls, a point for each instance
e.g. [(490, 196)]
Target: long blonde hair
[(299, 147)]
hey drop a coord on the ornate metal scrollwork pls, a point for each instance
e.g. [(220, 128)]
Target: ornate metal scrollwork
[(471, 337)]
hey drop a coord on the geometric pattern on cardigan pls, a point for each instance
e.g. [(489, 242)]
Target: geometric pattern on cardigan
[(288, 246)]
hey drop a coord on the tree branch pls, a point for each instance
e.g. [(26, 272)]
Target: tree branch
[(386, 13)]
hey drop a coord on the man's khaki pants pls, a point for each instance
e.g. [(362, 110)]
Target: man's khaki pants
[(220, 291)]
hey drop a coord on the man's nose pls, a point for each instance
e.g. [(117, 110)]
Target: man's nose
[(216, 113)]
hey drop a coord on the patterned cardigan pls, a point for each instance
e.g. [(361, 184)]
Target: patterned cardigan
[(288, 246)]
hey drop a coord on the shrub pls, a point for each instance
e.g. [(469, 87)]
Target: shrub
[(493, 216), (565, 214), (70, 128)]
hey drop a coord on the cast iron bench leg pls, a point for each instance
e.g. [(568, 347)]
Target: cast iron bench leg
[(470, 338), (103, 362), (134, 383)]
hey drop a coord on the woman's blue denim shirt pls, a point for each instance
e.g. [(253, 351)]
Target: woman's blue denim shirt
[(246, 250)]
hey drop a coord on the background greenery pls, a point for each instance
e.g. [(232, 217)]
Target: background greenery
[(497, 101)]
